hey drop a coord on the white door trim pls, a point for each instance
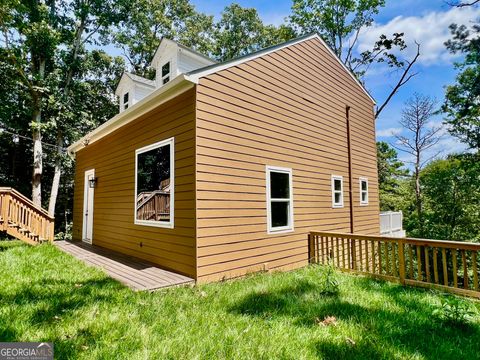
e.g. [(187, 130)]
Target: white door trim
[(88, 196)]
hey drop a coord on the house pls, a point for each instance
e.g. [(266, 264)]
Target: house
[(214, 170)]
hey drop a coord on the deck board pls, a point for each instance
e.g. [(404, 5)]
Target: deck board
[(132, 272)]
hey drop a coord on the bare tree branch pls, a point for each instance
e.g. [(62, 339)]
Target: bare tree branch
[(406, 77), (461, 4)]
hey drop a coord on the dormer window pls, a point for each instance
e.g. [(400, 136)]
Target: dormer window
[(125, 101), (166, 73)]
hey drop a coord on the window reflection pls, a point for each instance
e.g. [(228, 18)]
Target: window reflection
[(153, 184)]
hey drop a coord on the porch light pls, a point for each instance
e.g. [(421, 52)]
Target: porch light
[(92, 183)]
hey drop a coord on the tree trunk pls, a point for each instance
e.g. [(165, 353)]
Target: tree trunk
[(37, 139), (37, 159), (58, 160), (418, 198), (56, 176)]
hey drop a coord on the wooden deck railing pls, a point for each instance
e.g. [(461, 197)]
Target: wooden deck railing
[(445, 265), (20, 218), (153, 205)]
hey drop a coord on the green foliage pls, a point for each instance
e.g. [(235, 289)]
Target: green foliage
[(339, 24), (329, 284), (391, 171), (241, 31), (455, 311), (451, 189), (150, 20), (461, 99)]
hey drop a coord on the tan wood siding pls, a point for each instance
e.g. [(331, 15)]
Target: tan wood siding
[(113, 159), (283, 109)]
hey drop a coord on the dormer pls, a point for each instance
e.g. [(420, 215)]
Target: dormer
[(172, 59), (131, 89)]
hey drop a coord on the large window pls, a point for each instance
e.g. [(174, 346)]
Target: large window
[(154, 184), (337, 191), (363, 191), (279, 199), (166, 73)]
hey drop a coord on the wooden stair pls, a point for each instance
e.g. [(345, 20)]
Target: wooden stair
[(22, 219)]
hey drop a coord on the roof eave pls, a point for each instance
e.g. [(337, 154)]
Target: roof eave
[(167, 92)]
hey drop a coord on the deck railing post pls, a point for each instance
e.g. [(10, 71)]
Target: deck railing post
[(5, 207), (311, 251), (401, 261)]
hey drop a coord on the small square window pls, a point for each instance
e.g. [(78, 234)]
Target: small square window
[(363, 191), (337, 191), (166, 80)]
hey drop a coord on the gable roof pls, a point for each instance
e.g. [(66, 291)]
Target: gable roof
[(135, 78), (140, 79), (183, 82), (195, 75), (165, 42)]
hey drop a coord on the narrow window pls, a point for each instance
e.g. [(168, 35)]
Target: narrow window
[(166, 73), (337, 191), (363, 191), (125, 101), (154, 184), (279, 199)]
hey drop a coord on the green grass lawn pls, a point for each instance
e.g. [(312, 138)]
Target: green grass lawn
[(46, 295)]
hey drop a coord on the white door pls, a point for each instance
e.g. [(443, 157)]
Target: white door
[(88, 207)]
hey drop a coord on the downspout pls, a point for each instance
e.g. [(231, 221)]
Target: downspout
[(350, 176)]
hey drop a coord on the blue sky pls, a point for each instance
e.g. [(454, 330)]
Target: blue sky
[(423, 21)]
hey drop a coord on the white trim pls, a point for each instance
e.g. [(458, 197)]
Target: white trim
[(290, 227), (86, 189), (161, 95), (195, 76), (360, 180), (163, 224), (334, 204)]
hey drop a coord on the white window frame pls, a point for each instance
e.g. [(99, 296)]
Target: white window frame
[(163, 77), (360, 180), (279, 229), (334, 204), (162, 224)]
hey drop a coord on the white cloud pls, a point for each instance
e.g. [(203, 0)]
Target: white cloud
[(390, 132), (430, 30)]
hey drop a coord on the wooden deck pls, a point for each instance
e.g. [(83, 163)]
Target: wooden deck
[(135, 273)]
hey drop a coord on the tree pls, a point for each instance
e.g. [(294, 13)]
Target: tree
[(461, 105), (340, 22), (149, 20), (452, 198), (89, 23), (30, 37), (390, 171), (59, 80), (422, 136), (241, 31)]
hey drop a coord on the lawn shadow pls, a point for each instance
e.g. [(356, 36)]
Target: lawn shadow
[(407, 328)]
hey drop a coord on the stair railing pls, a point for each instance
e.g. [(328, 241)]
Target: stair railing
[(21, 218)]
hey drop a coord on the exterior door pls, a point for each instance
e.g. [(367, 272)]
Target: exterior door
[(88, 194)]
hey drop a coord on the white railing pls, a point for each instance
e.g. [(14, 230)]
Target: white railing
[(391, 223)]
